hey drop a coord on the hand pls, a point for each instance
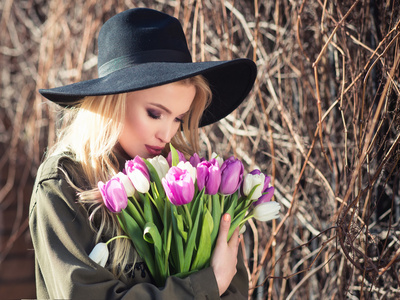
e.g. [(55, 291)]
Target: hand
[(224, 258)]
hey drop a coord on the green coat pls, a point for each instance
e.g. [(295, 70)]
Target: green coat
[(62, 239)]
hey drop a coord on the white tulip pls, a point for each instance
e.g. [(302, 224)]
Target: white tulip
[(242, 229), (139, 181), (129, 188), (160, 164), (250, 181), (188, 166), (219, 159), (99, 254), (267, 211)]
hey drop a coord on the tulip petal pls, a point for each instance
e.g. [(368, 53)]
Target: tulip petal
[(178, 186), (231, 176), (267, 211), (266, 197), (113, 194), (99, 254), (139, 181)]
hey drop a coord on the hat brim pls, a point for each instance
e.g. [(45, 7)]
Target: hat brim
[(230, 82)]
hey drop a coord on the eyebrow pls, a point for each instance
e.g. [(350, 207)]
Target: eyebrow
[(165, 109), (162, 107)]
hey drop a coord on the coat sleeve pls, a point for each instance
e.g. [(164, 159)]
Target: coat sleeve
[(62, 239)]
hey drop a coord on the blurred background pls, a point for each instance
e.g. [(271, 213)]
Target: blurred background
[(323, 119)]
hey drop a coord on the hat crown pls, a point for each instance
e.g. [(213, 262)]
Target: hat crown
[(140, 35)]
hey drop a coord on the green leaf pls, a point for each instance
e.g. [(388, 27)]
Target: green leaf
[(133, 211), (203, 254), (181, 228), (252, 191), (133, 230), (148, 214), (152, 235), (216, 217), (177, 245), (231, 205), (183, 210), (235, 222), (196, 203), (157, 199), (166, 224), (174, 156), (155, 178), (167, 236), (150, 210), (193, 233), (167, 247)]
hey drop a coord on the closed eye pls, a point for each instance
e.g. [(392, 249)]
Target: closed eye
[(180, 120), (153, 114), (156, 116)]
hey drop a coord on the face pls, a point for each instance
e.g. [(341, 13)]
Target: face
[(153, 116)]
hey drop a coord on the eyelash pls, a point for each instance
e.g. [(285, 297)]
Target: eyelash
[(153, 115), (157, 117)]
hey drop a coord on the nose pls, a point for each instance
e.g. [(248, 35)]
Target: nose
[(166, 132)]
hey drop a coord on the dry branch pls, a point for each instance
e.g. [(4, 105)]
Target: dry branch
[(323, 119)]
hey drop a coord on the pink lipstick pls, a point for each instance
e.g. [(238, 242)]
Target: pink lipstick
[(154, 151)]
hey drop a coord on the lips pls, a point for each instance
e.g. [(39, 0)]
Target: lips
[(153, 150)]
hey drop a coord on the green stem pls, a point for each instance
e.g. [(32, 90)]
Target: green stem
[(248, 217), (188, 216), (137, 205), (222, 203), (117, 237)]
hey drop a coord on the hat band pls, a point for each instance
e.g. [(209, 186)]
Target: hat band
[(164, 55)]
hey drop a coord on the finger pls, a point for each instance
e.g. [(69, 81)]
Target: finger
[(224, 228)]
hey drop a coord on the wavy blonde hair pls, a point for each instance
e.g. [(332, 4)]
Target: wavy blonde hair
[(90, 139)]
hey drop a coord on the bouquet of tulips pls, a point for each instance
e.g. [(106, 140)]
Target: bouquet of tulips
[(171, 208)]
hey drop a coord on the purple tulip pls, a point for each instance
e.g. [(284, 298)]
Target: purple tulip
[(195, 160), (114, 195), (178, 186), (267, 191), (180, 155), (266, 197), (209, 176), (231, 176)]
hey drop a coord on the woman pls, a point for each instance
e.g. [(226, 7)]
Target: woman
[(148, 94)]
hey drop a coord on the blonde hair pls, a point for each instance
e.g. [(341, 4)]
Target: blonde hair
[(89, 139)]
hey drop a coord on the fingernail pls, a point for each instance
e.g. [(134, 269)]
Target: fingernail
[(227, 217)]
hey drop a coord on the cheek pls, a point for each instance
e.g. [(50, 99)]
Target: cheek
[(136, 127)]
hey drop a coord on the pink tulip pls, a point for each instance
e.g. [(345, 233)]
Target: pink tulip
[(178, 186), (138, 173), (114, 195)]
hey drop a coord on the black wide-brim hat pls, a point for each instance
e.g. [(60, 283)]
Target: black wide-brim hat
[(142, 48)]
